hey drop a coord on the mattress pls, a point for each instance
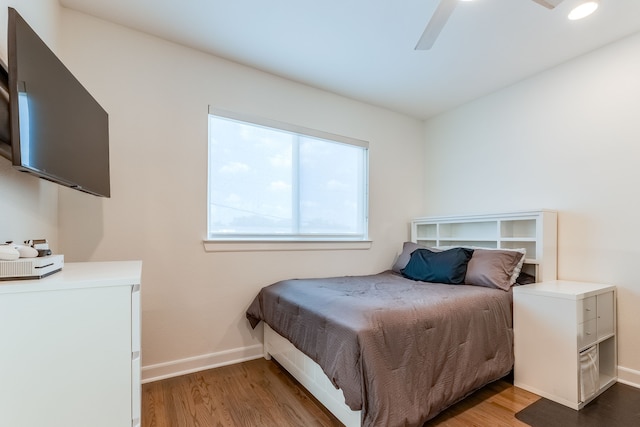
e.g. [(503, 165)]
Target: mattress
[(400, 350)]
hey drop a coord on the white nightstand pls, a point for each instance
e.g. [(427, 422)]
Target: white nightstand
[(565, 340)]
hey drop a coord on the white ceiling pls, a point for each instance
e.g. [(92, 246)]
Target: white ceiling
[(364, 49)]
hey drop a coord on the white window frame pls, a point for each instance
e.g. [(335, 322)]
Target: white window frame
[(214, 242)]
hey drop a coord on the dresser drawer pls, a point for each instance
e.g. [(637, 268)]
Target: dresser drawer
[(587, 333), (586, 309)]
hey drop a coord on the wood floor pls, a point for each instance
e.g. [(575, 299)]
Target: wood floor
[(259, 393)]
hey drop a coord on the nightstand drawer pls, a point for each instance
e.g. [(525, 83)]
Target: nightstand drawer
[(586, 309), (587, 334), (606, 321)]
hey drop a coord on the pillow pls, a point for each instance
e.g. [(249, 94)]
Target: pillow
[(448, 266), (405, 255), (495, 268)]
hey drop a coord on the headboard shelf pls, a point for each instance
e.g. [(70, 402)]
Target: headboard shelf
[(535, 231)]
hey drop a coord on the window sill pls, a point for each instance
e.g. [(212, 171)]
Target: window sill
[(284, 245)]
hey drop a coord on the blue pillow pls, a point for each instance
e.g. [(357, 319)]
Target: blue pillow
[(448, 266)]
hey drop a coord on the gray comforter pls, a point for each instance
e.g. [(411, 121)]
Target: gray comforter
[(401, 351)]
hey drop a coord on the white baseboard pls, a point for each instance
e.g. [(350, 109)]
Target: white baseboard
[(629, 376), (189, 365)]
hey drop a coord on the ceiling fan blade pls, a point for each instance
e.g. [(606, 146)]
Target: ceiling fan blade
[(549, 4), (436, 23)]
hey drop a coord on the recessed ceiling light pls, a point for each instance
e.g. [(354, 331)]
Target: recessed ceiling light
[(583, 10)]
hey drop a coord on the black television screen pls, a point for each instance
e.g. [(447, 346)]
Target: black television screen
[(57, 129)]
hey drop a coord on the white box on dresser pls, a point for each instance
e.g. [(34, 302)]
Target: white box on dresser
[(70, 347), (565, 340)]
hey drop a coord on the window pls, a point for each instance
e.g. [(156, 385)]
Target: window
[(272, 181)]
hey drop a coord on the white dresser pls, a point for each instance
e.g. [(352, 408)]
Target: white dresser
[(70, 347), (565, 340)]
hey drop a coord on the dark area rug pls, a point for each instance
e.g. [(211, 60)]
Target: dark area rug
[(619, 406)]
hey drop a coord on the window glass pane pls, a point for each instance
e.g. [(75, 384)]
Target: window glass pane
[(330, 185), (250, 179), (269, 183)]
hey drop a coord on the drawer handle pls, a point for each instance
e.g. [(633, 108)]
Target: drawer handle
[(588, 309)]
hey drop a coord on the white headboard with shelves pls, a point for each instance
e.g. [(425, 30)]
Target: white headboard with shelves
[(536, 231)]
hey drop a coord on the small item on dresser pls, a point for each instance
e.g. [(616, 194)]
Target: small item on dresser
[(40, 245), (30, 268), (37, 243), (8, 253), (26, 251)]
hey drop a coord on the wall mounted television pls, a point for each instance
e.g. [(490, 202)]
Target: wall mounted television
[(50, 125)]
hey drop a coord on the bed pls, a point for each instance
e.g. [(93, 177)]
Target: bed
[(398, 347)]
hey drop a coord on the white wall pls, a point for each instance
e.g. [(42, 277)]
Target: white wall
[(157, 94), (28, 205), (567, 139)]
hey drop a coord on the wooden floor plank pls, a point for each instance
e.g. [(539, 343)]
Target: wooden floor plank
[(259, 393), (494, 405)]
